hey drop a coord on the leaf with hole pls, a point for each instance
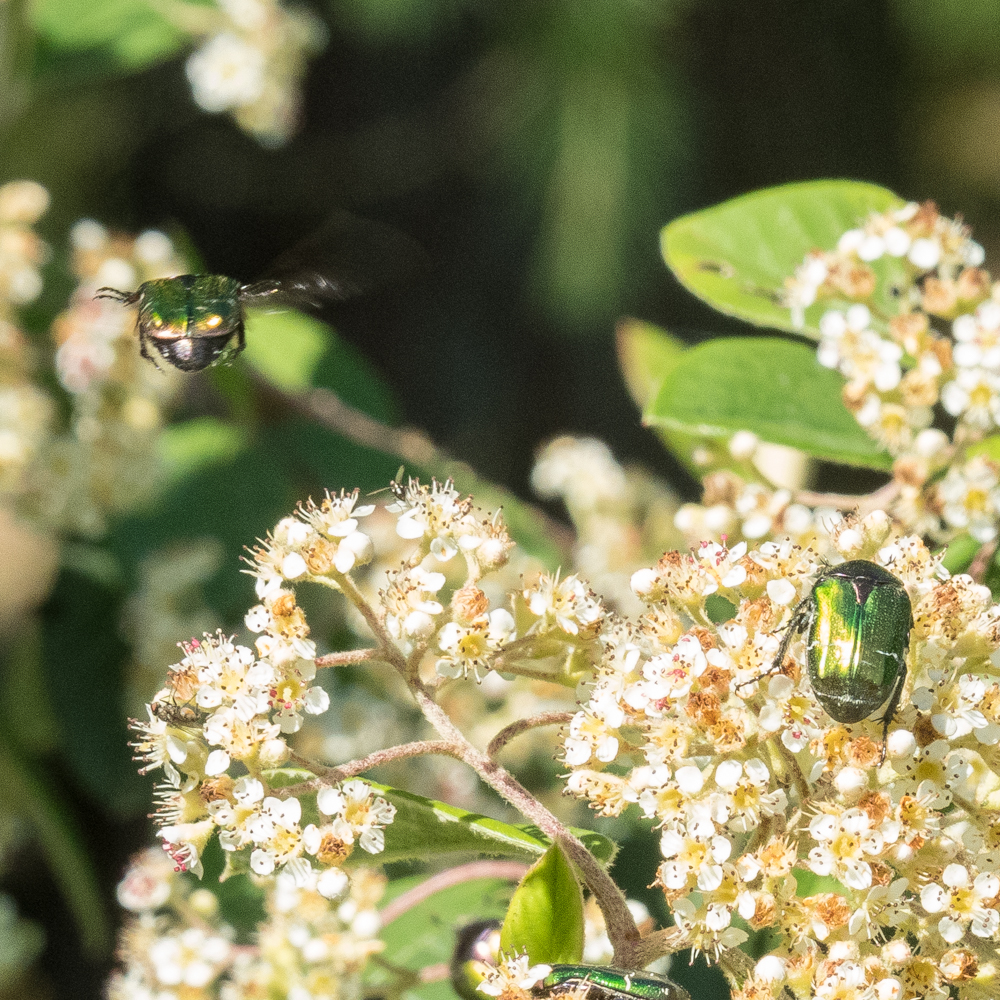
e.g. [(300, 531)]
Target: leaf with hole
[(737, 255)]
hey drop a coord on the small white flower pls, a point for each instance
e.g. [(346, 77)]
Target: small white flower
[(226, 72)]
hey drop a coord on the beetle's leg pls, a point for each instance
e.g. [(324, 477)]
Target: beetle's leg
[(125, 298), (241, 338), (798, 621), (144, 348)]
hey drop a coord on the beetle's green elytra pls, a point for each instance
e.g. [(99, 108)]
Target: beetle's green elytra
[(610, 984), (858, 619)]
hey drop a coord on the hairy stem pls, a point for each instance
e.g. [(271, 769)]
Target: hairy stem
[(622, 930), (864, 503), (328, 775), (522, 726), (533, 675), (347, 657)]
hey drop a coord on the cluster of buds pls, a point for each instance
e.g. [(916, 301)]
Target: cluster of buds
[(757, 792)]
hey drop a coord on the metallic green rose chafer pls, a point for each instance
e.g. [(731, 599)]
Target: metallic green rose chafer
[(858, 619), (191, 320), (610, 984)]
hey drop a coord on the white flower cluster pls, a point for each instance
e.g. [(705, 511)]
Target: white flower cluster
[(106, 460), (26, 411), (940, 345), (917, 235), (936, 348), (22, 252), (316, 542), (103, 460), (251, 63), (754, 787), (220, 726), (228, 709), (177, 944)]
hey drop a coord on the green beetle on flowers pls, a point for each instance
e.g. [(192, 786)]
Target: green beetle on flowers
[(604, 983), (858, 618), (477, 949)]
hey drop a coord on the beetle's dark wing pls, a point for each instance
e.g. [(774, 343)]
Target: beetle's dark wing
[(345, 257)]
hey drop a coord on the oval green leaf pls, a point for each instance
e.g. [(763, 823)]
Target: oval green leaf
[(545, 916), (768, 385), (425, 828), (647, 354), (737, 255)]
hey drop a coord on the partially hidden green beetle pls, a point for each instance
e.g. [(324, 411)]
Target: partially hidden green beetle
[(609, 984), (477, 949), (858, 619)]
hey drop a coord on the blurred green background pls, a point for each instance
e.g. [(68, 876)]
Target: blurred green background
[(534, 148)]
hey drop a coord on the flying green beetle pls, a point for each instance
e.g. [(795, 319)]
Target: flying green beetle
[(197, 320), (858, 618)]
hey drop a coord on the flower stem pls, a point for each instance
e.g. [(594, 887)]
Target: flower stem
[(515, 729), (621, 927), (347, 657), (326, 775)]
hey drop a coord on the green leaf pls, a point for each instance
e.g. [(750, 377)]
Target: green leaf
[(989, 447), (189, 446), (131, 30), (646, 355), (545, 916), (285, 777), (768, 385), (737, 255), (424, 828), (83, 656), (961, 551), (286, 347), (808, 883)]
